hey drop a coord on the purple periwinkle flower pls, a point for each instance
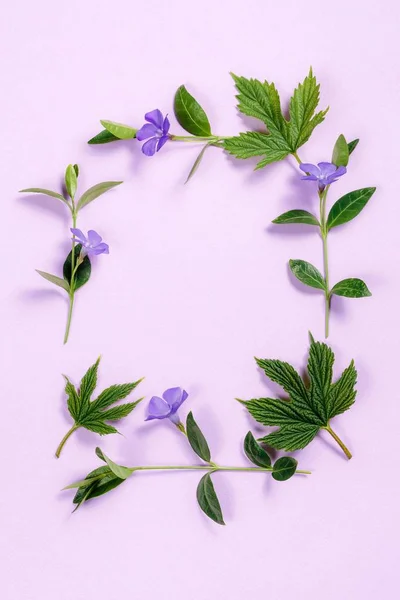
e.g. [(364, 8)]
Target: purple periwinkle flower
[(92, 244), (155, 131), (167, 406), (324, 172)]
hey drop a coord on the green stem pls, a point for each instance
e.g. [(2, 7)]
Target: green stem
[(212, 468), (71, 283), (324, 235), (195, 138), (339, 441), (65, 438), (297, 157)]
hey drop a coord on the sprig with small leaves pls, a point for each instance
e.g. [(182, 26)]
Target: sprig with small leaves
[(77, 266), (308, 409), (95, 414), (105, 478)]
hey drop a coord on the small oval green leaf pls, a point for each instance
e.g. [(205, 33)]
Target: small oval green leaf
[(255, 453), (190, 114), (122, 132), (83, 272), (196, 439), (351, 288), (208, 499), (104, 137), (307, 274), (296, 216), (96, 191), (340, 155), (348, 206), (118, 470), (284, 468), (54, 279)]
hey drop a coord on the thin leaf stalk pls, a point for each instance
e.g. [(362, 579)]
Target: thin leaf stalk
[(65, 439), (339, 441), (73, 271), (324, 235)]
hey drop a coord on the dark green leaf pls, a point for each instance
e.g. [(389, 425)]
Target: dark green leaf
[(320, 370), (208, 500), (82, 273), (198, 161), (119, 412), (190, 114), (76, 169), (96, 191), (107, 483), (351, 288), (340, 155), (197, 439), (342, 393), (296, 216), (118, 470), (54, 279), (97, 425), (291, 437), (353, 145), (348, 207), (104, 137), (255, 453), (73, 400), (45, 192), (307, 274), (284, 468), (114, 393), (87, 387), (302, 108), (71, 181), (122, 132)]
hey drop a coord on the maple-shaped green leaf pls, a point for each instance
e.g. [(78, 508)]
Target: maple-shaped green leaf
[(309, 408), (92, 414), (283, 137)]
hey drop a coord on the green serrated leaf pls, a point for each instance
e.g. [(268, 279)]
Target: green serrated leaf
[(82, 274), (122, 132), (255, 453), (190, 114), (73, 400), (104, 137), (308, 409), (284, 468), (197, 162), (71, 181), (96, 191), (208, 499), (348, 207), (351, 288), (114, 393), (340, 155), (302, 107), (307, 274), (118, 470), (196, 439), (119, 412), (54, 279), (252, 143), (45, 192), (296, 216), (353, 145)]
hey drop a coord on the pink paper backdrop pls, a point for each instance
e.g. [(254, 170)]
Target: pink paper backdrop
[(195, 285)]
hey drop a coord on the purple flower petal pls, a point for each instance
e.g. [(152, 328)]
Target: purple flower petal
[(149, 147), (99, 249), (158, 409), (309, 168), (155, 117), (340, 171), (166, 125), (174, 417), (79, 235), (309, 178), (162, 141), (174, 397), (146, 132), (93, 237), (327, 168)]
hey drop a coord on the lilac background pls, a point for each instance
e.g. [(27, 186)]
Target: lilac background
[(195, 285)]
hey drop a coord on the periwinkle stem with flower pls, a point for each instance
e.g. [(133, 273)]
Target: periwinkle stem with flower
[(103, 479), (77, 266)]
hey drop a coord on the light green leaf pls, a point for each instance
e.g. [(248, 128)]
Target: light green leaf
[(296, 216), (190, 114), (302, 107), (348, 206), (198, 161), (54, 279), (196, 439), (252, 143), (45, 192), (122, 132), (208, 500), (71, 181), (255, 453), (351, 288), (118, 470), (340, 155), (96, 191), (307, 274), (284, 468), (82, 274), (104, 137)]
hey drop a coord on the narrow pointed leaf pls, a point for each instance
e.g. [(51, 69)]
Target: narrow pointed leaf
[(197, 161), (208, 499), (353, 145), (196, 439), (340, 155), (71, 181), (104, 137), (54, 279), (73, 399), (255, 453), (119, 412), (351, 288), (114, 393), (83, 272), (307, 274), (190, 114), (118, 470), (122, 132), (348, 207), (45, 192), (87, 387), (96, 191), (284, 468), (296, 216)]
